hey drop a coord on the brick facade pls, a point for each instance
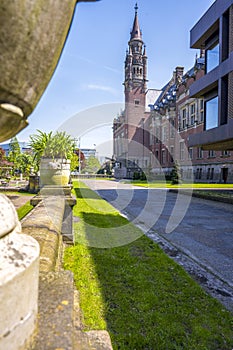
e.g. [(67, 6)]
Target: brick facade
[(153, 141)]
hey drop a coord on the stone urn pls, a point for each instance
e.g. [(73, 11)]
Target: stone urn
[(54, 172), (32, 36)]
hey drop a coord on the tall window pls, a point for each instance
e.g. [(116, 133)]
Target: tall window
[(199, 153), (201, 110), (172, 128), (172, 154), (192, 113), (163, 156), (211, 113), (212, 174), (212, 56), (211, 154), (184, 122), (182, 150), (226, 153), (190, 152), (164, 133)]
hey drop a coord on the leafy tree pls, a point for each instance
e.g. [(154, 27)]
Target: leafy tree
[(175, 174), (74, 162), (2, 154), (25, 163), (92, 165), (14, 150), (5, 165), (14, 153)]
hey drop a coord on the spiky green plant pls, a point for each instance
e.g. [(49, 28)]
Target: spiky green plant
[(49, 145)]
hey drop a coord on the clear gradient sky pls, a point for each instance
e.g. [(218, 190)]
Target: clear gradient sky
[(91, 69)]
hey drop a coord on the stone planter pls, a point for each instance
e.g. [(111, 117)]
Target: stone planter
[(34, 184), (54, 172), (32, 36)]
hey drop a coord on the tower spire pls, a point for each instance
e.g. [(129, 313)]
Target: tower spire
[(136, 32)]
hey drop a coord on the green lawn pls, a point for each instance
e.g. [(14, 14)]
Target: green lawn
[(164, 184), (141, 296), (24, 210)]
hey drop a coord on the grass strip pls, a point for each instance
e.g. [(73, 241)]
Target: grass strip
[(24, 210), (164, 184), (142, 297)]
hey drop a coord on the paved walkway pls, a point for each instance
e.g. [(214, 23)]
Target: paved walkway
[(18, 199), (202, 229)]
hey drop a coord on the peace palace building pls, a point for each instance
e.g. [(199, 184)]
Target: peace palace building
[(189, 121)]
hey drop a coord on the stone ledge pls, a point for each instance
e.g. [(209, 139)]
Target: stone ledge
[(59, 324), (39, 225)]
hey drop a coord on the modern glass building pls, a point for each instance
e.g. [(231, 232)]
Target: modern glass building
[(214, 34)]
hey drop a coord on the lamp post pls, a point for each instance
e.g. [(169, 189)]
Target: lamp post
[(79, 157)]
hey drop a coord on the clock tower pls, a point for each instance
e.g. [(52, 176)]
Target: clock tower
[(129, 132), (135, 78)]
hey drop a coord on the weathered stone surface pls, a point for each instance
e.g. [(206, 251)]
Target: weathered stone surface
[(19, 272), (44, 223), (30, 51), (8, 216), (55, 324)]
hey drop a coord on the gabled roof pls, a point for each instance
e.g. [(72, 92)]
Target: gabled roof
[(151, 97)]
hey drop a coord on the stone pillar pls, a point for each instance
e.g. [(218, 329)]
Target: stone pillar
[(67, 225), (19, 273)]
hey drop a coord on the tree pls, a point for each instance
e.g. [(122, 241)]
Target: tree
[(25, 163), (92, 165), (2, 154), (5, 165), (14, 153), (175, 174), (74, 162), (14, 150)]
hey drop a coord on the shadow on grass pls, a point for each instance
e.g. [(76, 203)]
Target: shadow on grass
[(104, 220), (151, 303), (105, 230), (83, 192), (145, 300)]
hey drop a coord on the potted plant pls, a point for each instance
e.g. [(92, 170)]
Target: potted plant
[(52, 154)]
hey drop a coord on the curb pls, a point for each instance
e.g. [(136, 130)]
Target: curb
[(197, 194)]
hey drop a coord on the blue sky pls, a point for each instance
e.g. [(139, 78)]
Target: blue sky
[(90, 72)]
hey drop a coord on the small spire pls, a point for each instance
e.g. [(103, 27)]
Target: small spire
[(136, 8), (144, 51)]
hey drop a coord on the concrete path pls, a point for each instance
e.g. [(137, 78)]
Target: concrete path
[(200, 228), (18, 199)]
